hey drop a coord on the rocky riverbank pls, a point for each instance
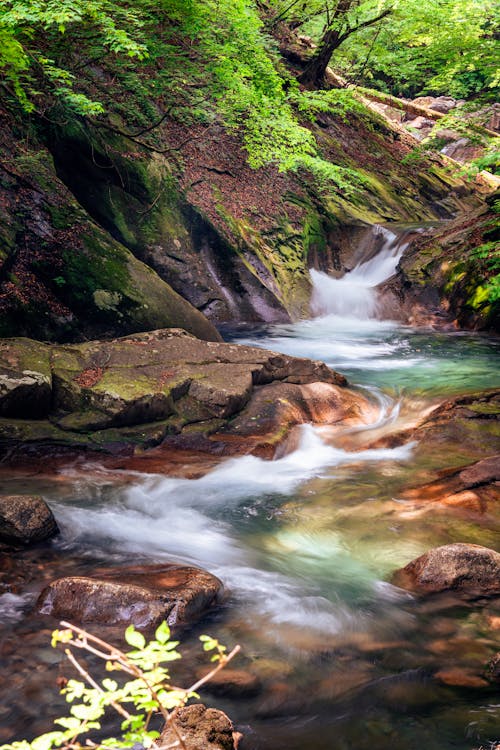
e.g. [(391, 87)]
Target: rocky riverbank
[(136, 392)]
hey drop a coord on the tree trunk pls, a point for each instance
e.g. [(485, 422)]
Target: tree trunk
[(314, 72)]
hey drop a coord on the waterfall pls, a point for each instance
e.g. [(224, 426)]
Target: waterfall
[(355, 294)]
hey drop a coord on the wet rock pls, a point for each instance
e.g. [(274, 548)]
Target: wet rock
[(201, 728), (139, 389), (233, 683), (467, 569), (472, 487), (25, 519), (493, 668), (143, 596), (471, 422), (439, 279)]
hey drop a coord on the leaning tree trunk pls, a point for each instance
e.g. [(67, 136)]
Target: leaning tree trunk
[(315, 70)]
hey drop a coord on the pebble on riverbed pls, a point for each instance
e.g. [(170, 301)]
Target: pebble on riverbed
[(25, 519)]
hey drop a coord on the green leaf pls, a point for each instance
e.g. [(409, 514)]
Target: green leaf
[(162, 633), (134, 638)]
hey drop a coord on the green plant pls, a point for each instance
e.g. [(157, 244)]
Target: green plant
[(147, 691)]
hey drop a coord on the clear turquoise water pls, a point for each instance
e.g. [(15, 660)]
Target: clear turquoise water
[(305, 546)]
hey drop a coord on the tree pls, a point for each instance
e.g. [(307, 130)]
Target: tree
[(403, 47), (341, 19), (337, 32)]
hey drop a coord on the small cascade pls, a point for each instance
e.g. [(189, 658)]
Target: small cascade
[(355, 294)]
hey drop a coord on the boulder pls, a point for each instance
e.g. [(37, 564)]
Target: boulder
[(201, 728), (25, 519), (436, 103), (140, 389), (467, 569), (142, 596)]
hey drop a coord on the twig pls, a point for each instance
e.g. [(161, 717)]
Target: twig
[(222, 663), (94, 684)]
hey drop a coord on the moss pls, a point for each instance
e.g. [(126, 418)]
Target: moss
[(62, 217)]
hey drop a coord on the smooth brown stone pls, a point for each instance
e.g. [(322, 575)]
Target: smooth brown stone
[(235, 683), (141, 596), (457, 677)]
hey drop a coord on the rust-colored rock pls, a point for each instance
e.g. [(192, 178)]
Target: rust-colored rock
[(458, 677), (467, 569), (25, 519), (136, 391), (201, 728), (142, 596), (473, 487)]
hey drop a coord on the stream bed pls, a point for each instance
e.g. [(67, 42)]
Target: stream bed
[(305, 546)]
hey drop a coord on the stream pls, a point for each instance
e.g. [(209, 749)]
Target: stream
[(305, 546)]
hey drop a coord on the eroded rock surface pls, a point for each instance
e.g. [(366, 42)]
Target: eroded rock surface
[(142, 596), (466, 569), (140, 389), (201, 728), (25, 519)]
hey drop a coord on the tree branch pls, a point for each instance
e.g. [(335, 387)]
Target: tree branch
[(371, 21)]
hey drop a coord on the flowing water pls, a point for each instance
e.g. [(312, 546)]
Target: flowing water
[(305, 545)]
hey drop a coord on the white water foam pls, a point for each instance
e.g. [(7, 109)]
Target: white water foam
[(354, 295), (186, 519), (12, 607)]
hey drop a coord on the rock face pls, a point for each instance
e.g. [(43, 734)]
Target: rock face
[(63, 277), (466, 569), (140, 389), (143, 597), (25, 519), (201, 728), (441, 281)]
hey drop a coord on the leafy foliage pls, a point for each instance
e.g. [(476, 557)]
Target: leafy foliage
[(136, 700), (421, 46), (488, 254), (28, 28), (204, 60)]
